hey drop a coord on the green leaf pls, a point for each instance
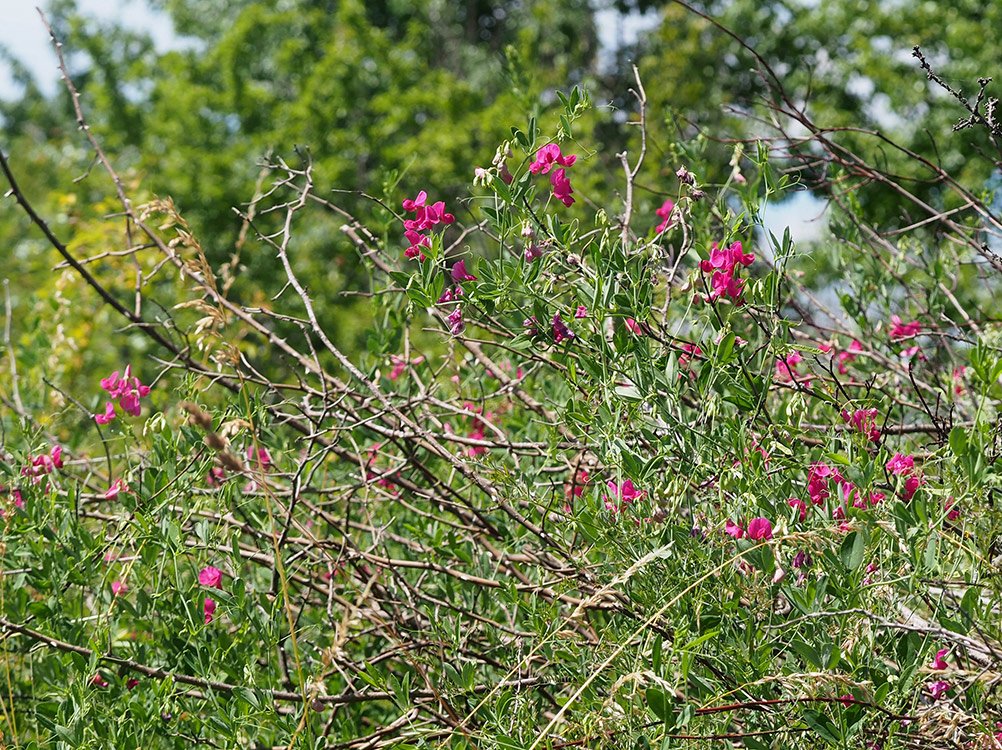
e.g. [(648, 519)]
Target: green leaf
[(853, 550), (822, 726)]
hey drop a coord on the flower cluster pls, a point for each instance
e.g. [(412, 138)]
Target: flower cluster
[(722, 266), (759, 529), (623, 496), (426, 217), (665, 214), (546, 158), (42, 464), (127, 390), (863, 421)]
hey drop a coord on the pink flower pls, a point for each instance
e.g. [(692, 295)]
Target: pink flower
[(733, 529), (460, 274), (127, 389), (455, 319), (725, 285), (209, 609), (952, 511), (847, 700), (634, 327), (425, 217), (258, 458), (532, 252), (864, 421), (849, 355), (418, 242), (938, 688), (577, 487), (912, 484), (623, 495), (796, 502), (723, 264), (131, 683), (939, 663), (210, 576), (117, 487), (726, 259), (400, 365), (958, 380), (900, 331), (108, 416), (787, 372), (759, 529), (901, 464), (560, 330), (118, 587), (689, 352), (531, 326), (665, 213), (549, 155), (581, 312), (98, 681), (215, 476), (450, 294), (818, 478), (562, 187), (413, 205)]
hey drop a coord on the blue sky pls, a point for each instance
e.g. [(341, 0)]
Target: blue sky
[(22, 33)]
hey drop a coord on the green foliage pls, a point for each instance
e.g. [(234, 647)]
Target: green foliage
[(633, 486)]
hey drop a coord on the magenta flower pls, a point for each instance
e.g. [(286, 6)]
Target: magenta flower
[(733, 529), (796, 502), (723, 264), (623, 495), (562, 187), (108, 416), (131, 684), (560, 330), (118, 587), (952, 511), (455, 319), (460, 274), (787, 371), (127, 389), (209, 609), (759, 529), (531, 326), (864, 421), (634, 327), (548, 156), (117, 487), (939, 663), (581, 312), (210, 577), (425, 217), (900, 330), (216, 476), (901, 464), (938, 688), (689, 352), (259, 458), (958, 380), (847, 356), (98, 681), (532, 252), (912, 484), (413, 205), (665, 213), (418, 243), (400, 365), (818, 478)]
